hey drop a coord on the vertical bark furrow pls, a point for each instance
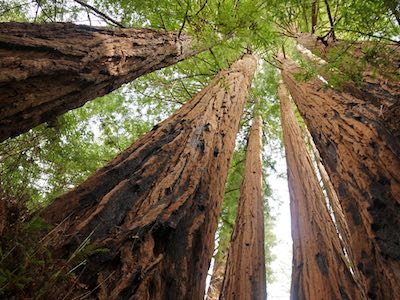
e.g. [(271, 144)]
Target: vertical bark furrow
[(245, 266), (319, 269), (48, 69), (362, 159), (155, 207)]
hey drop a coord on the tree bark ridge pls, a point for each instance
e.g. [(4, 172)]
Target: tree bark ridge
[(245, 267), (155, 207), (362, 158), (49, 69)]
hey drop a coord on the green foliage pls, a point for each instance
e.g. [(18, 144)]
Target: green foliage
[(27, 267), (45, 162)]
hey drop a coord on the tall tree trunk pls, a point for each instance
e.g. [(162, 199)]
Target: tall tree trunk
[(245, 276), (319, 267), (217, 278), (362, 159), (49, 69), (155, 207), (337, 210)]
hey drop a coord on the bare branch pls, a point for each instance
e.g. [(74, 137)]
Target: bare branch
[(103, 15)]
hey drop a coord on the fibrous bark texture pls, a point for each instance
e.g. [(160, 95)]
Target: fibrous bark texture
[(362, 158), (245, 266), (155, 207), (335, 207), (49, 69), (379, 64), (319, 268)]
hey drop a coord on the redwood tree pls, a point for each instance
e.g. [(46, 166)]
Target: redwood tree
[(362, 158), (245, 266), (319, 267), (155, 207), (373, 66), (48, 69)]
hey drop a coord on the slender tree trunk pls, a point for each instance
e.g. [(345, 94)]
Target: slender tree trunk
[(49, 69), (362, 159), (155, 207), (319, 268), (314, 15), (245, 266), (217, 278)]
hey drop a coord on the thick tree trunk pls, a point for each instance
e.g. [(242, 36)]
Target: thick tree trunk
[(362, 159), (319, 268), (155, 207), (49, 69), (245, 276)]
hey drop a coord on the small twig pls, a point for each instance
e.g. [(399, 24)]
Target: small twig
[(202, 7), (215, 58), (370, 35), (100, 13), (44, 12), (184, 87), (184, 20), (88, 16)]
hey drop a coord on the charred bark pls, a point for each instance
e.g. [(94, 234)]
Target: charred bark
[(319, 268), (362, 158), (49, 69), (245, 267), (155, 207)]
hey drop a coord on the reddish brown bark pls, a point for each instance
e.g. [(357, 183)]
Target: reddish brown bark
[(49, 69), (245, 266), (379, 83), (319, 268), (362, 159), (155, 207), (337, 210)]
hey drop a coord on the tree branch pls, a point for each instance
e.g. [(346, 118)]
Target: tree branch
[(103, 15), (328, 10)]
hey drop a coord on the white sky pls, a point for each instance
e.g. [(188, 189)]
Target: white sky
[(282, 265)]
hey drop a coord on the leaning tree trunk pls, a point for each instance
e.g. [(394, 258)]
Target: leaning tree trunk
[(49, 69), (155, 207), (319, 266), (245, 266), (362, 159), (379, 82)]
